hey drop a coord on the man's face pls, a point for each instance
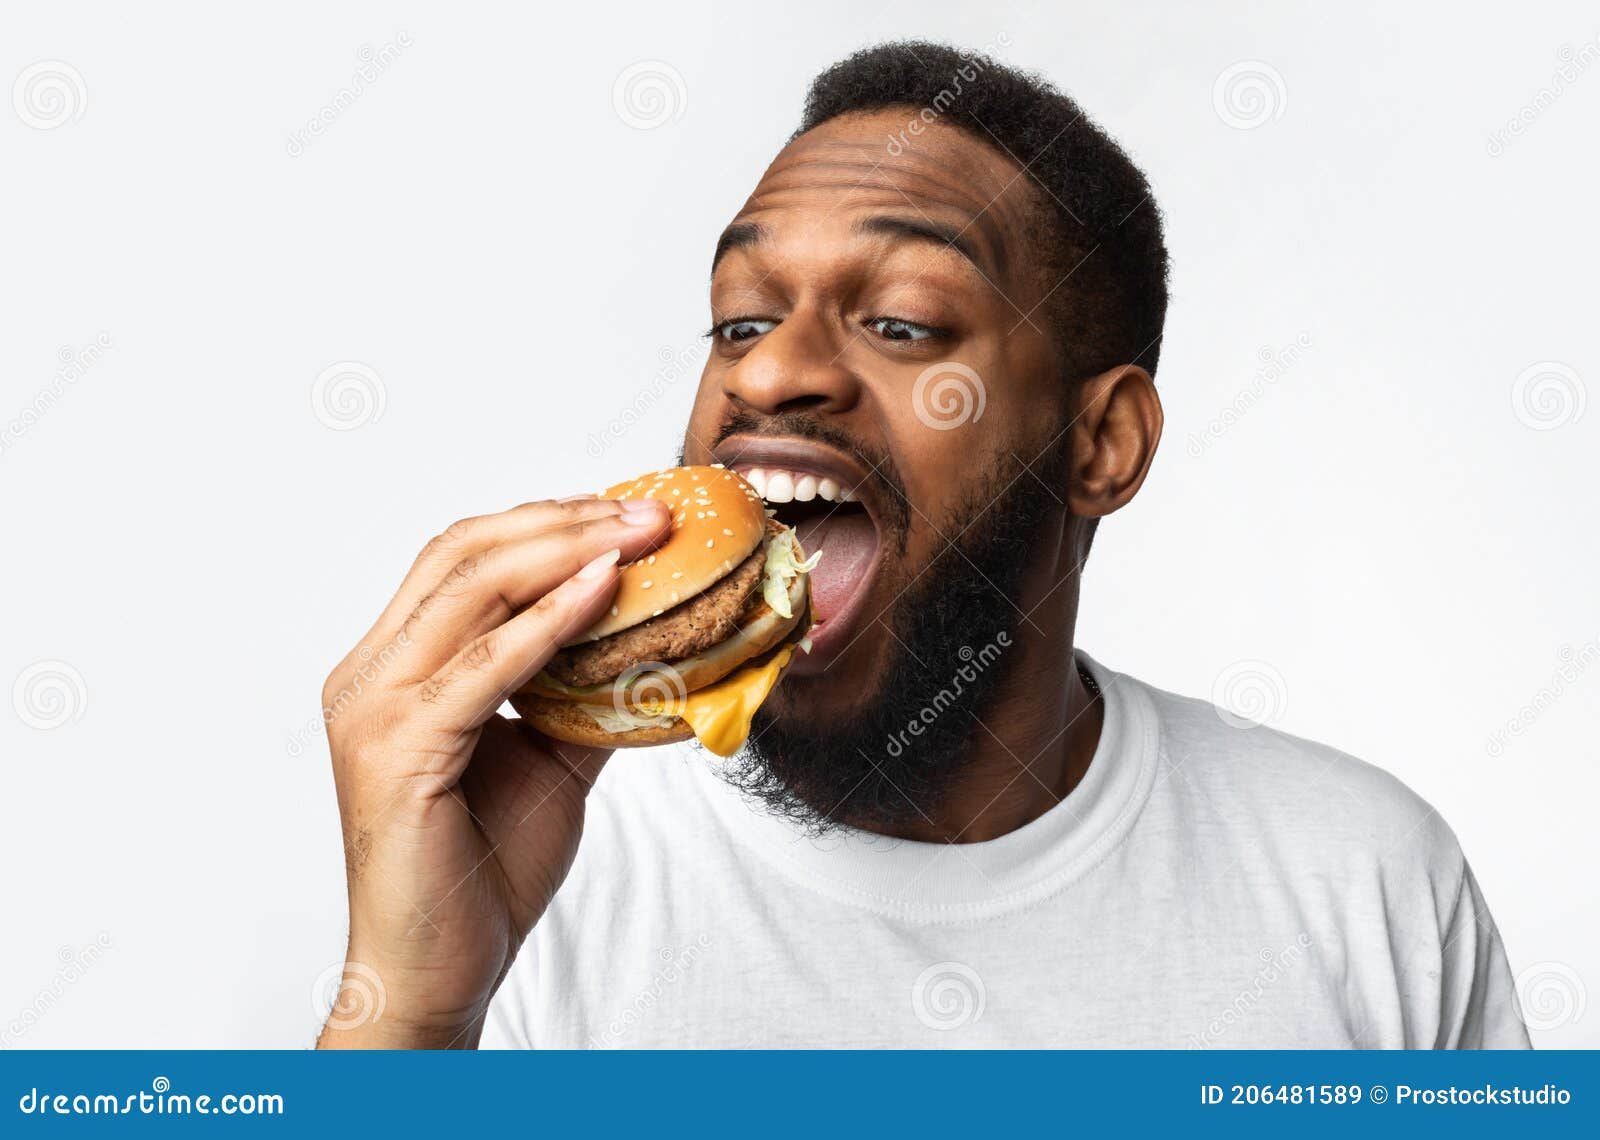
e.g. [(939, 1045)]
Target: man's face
[(879, 326)]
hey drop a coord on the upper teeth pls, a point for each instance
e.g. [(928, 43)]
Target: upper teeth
[(779, 486)]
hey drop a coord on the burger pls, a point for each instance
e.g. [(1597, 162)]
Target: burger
[(699, 632)]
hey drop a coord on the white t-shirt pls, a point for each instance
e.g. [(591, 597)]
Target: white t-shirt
[(1204, 886)]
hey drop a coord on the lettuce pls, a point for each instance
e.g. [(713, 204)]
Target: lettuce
[(615, 721), (784, 561)]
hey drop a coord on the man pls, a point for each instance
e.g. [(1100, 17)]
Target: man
[(950, 827)]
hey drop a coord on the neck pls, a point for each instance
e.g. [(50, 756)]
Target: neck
[(1033, 742)]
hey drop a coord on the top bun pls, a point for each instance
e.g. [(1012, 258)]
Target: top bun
[(718, 520)]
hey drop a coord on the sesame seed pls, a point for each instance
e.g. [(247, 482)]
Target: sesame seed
[(656, 613), (710, 542), (677, 573), (646, 584), (727, 532), (651, 561), (614, 611)]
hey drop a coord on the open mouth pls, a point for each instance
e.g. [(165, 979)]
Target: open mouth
[(826, 497)]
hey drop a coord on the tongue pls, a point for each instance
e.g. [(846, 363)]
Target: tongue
[(848, 542)]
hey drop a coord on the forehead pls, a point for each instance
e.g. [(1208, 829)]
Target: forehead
[(876, 162)]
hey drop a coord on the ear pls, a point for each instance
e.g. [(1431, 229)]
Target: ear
[(1112, 438)]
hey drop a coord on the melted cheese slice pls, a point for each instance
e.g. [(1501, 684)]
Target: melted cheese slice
[(720, 713)]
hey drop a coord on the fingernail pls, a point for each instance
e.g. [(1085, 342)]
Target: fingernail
[(575, 498), (638, 517), (599, 566), (630, 506)]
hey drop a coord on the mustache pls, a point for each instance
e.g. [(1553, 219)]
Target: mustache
[(881, 471)]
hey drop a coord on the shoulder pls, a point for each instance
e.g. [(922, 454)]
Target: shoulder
[(1305, 803)]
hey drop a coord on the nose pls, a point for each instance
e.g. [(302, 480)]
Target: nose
[(797, 366)]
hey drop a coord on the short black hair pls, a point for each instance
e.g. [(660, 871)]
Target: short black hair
[(1102, 225)]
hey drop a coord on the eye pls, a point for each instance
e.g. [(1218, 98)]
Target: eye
[(892, 328), (742, 328)]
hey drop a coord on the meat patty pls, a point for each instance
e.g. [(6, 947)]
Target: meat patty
[(684, 630)]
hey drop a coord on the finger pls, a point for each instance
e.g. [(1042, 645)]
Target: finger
[(514, 770), (484, 590), (462, 540), (470, 535), (467, 690)]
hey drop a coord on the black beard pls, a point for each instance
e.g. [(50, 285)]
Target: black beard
[(948, 656)]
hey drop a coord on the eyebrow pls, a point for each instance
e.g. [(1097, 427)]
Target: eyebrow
[(924, 231), (742, 235), (737, 236)]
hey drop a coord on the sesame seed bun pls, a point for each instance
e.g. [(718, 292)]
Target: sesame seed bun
[(718, 520)]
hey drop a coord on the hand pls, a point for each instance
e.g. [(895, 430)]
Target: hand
[(460, 824)]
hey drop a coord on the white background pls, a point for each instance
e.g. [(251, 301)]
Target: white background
[(1407, 543)]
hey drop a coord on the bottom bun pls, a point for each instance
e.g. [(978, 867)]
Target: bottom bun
[(596, 726), (567, 721)]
